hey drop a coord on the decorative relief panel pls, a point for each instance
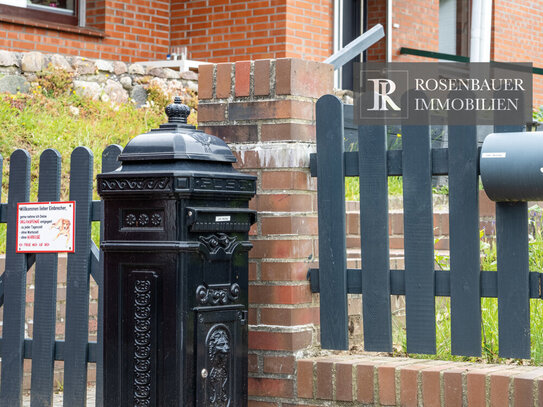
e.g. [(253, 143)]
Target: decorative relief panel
[(219, 242), (142, 218), (217, 294), (219, 354), (134, 184), (221, 184), (204, 140), (142, 343)]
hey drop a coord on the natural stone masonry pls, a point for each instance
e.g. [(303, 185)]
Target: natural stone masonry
[(94, 78)]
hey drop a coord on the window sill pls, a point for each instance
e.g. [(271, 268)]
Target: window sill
[(90, 32)]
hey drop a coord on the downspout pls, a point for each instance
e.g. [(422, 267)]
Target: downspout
[(486, 30), (338, 38), (481, 28), (481, 25), (389, 31)]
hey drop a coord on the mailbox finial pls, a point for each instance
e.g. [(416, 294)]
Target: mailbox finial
[(177, 112)]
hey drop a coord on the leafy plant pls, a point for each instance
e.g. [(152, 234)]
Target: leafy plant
[(441, 190), (53, 81), (352, 187), (537, 114)]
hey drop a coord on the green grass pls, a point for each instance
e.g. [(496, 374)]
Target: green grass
[(352, 187), (489, 309)]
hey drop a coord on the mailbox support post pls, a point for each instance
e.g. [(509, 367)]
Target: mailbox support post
[(176, 270)]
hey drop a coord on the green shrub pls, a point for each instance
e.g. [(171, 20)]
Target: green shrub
[(54, 82)]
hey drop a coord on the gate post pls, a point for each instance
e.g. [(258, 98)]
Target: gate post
[(175, 247), (265, 109)]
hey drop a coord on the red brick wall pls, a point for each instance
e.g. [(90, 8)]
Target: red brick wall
[(516, 37), (265, 109), (131, 30), (418, 28), (377, 14), (309, 29), (234, 30), (382, 381)]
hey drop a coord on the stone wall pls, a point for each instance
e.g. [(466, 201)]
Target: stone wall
[(94, 78)]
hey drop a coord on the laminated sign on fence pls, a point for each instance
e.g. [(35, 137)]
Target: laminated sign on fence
[(45, 227)]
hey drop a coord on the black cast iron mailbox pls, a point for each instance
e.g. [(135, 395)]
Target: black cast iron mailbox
[(176, 270), (512, 166)]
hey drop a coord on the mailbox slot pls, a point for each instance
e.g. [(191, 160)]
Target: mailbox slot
[(220, 219)]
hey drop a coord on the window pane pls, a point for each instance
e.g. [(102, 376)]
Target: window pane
[(56, 6), (52, 5), (16, 3), (447, 26)]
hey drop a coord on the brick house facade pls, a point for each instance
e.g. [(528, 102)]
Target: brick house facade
[(235, 30), (272, 135)]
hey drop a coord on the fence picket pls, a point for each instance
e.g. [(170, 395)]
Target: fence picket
[(464, 241), (465, 283), (14, 278), (332, 246), (77, 291), (418, 239), (45, 297), (513, 279), (513, 274), (374, 238), (109, 163)]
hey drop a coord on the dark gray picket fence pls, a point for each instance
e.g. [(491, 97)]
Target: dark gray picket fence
[(513, 284), (76, 351)]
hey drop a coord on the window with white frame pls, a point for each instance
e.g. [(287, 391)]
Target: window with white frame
[(61, 11)]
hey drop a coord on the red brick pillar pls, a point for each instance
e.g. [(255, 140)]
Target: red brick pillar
[(265, 111)]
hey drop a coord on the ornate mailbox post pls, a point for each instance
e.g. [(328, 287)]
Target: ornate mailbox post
[(175, 270)]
